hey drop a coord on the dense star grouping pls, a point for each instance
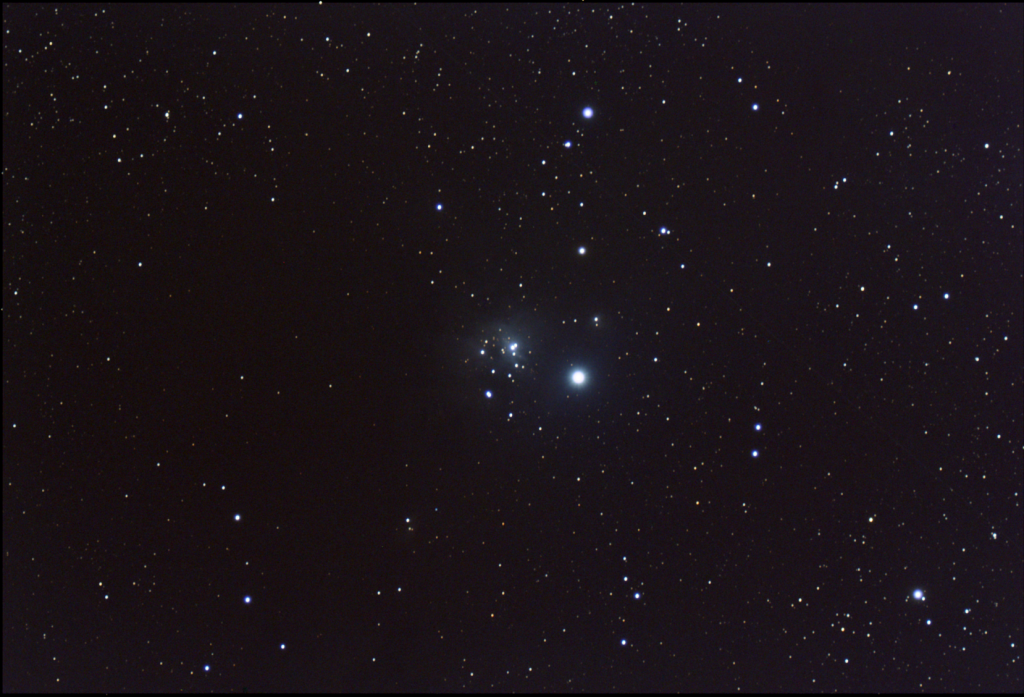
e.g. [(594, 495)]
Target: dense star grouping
[(575, 349)]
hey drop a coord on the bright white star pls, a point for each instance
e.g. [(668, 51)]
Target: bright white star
[(578, 377)]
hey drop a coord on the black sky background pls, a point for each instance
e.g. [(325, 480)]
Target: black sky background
[(229, 290)]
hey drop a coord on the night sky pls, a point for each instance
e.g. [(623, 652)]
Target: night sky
[(532, 348)]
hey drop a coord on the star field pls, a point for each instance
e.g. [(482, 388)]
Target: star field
[(373, 348)]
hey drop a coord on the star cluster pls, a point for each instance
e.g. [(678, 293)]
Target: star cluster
[(383, 349)]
